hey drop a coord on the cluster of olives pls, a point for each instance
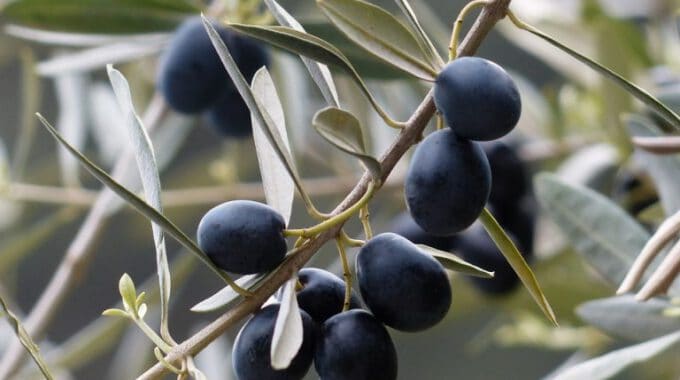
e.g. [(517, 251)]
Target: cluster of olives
[(449, 181), (193, 80), (403, 288)]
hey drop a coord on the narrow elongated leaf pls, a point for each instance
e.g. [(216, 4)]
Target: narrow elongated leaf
[(424, 41), (665, 170), (380, 34), (25, 339), (151, 183), (517, 262), (50, 37), (613, 363), (102, 16), (342, 129), (455, 263), (310, 46), (607, 237), (653, 103), (319, 72), (137, 203), (71, 90), (226, 296), (288, 334), (279, 188), (627, 318)]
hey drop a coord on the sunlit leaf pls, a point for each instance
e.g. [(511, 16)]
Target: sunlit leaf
[(424, 41), (288, 333), (380, 33), (455, 263), (127, 292), (226, 296), (342, 129)]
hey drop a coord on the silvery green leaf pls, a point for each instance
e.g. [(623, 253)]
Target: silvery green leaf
[(593, 166), (226, 296), (127, 291), (148, 171), (664, 170), (600, 230), (279, 188), (288, 333), (70, 89), (455, 263), (426, 45), (319, 72), (625, 317), (609, 365), (50, 37), (342, 129), (380, 34), (95, 58)]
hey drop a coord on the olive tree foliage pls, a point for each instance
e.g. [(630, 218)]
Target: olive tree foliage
[(600, 141)]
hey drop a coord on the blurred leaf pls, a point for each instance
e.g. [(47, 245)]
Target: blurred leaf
[(279, 188), (310, 46), (600, 230), (319, 72), (342, 130), (288, 333), (627, 318), (226, 296), (611, 364), (455, 263), (424, 41), (517, 262), (639, 93), (380, 34), (128, 293), (101, 16), (25, 339), (71, 95), (151, 182), (115, 313), (664, 170), (50, 37)]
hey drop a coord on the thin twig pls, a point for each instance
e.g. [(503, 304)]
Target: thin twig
[(491, 14), (663, 277), (658, 145)]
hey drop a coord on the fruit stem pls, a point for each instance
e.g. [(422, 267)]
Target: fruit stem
[(328, 223), (349, 241), (440, 122), (365, 222), (345, 272), (458, 24), (148, 331)]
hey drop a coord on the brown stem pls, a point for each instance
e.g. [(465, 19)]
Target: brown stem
[(491, 14)]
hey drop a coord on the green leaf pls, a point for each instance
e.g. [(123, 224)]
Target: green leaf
[(137, 203), (288, 333), (607, 237), (128, 293), (151, 183), (609, 365), (115, 313), (279, 187), (664, 169), (627, 318), (310, 46), (424, 41), (25, 339), (517, 262), (101, 16), (380, 34), (226, 296), (319, 72), (455, 263), (343, 130), (653, 103)]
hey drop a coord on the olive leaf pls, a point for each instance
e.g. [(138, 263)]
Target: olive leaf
[(151, 183), (625, 317), (424, 41), (288, 330), (607, 237), (613, 363), (343, 130), (128, 293), (455, 263), (226, 296), (307, 45), (279, 188), (101, 16), (319, 72), (380, 34), (517, 262)]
